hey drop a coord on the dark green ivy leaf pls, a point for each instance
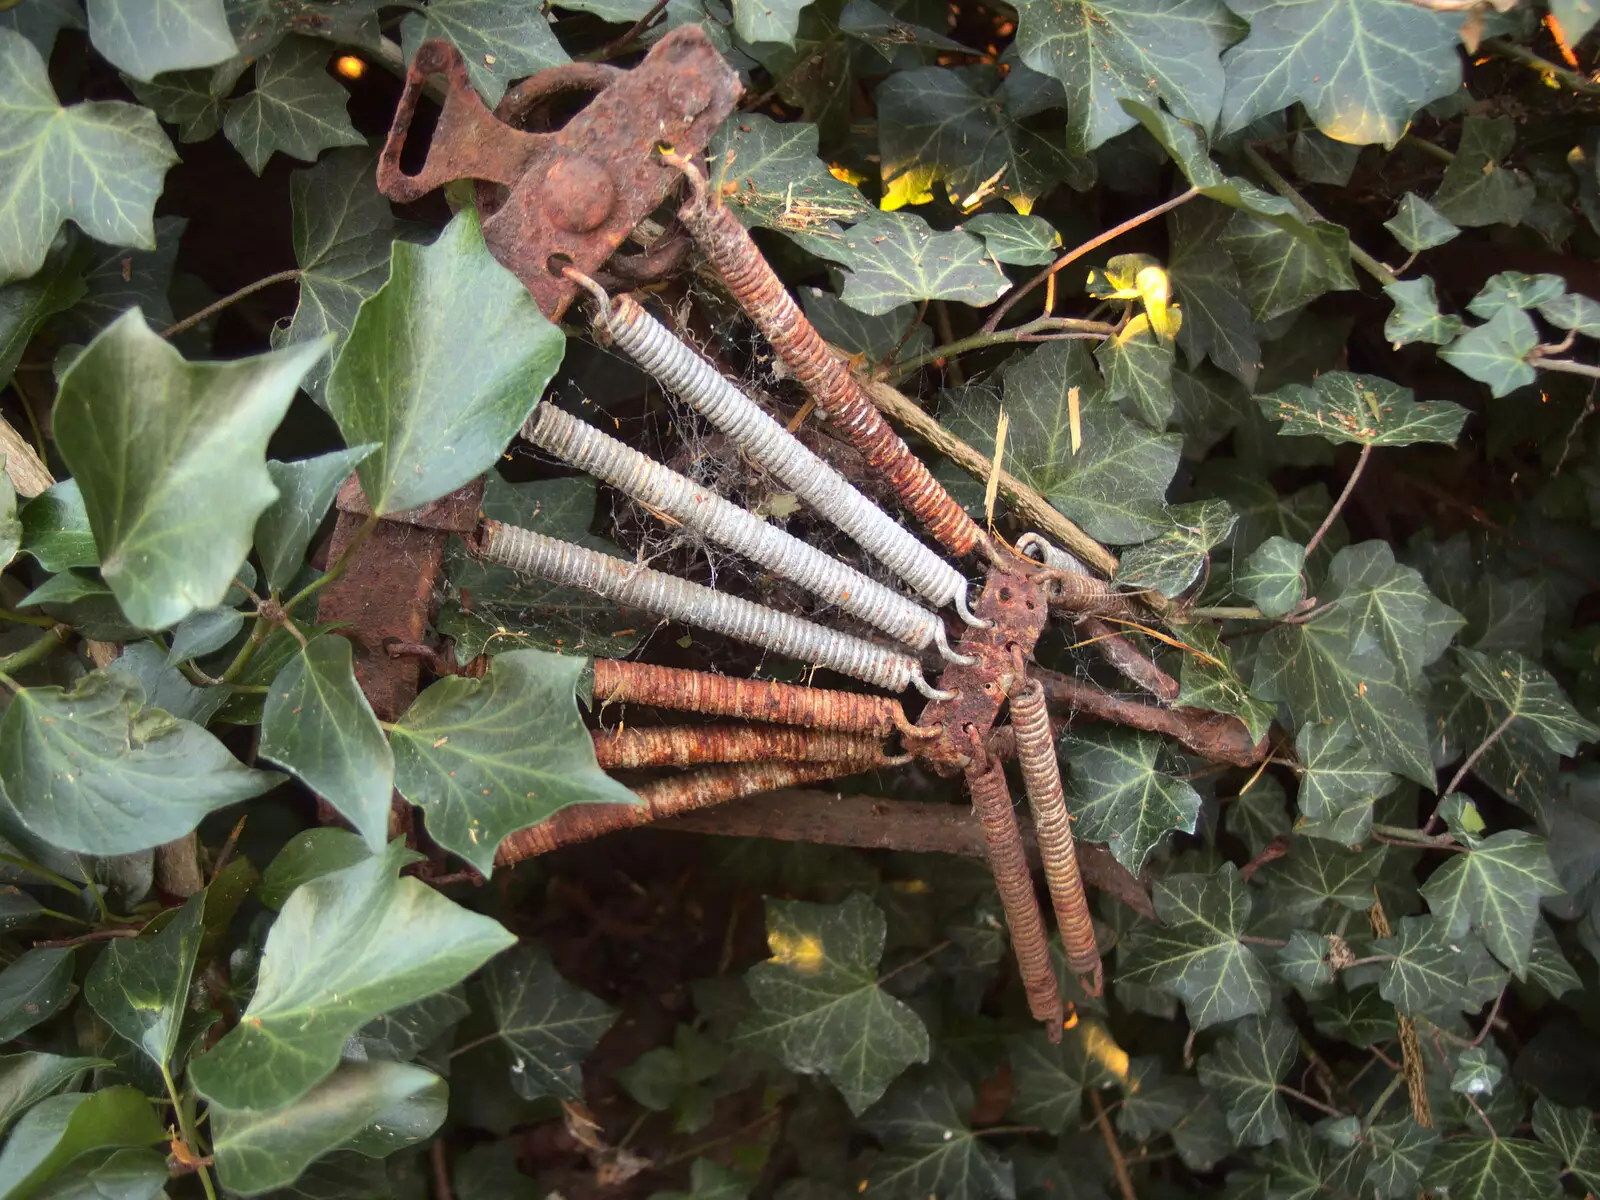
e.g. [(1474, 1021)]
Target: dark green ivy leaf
[(141, 988), (1340, 407), (1339, 782), (1418, 226), (1434, 975), (1273, 577), (1119, 796), (1571, 1133), (1494, 888), (499, 41), (401, 1035), (897, 257), (1516, 290), (56, 1132), (1172, 562), (1495, 352), (29, 303), (1547, 965), (1317, 872), (1525, 691), (33, 988), (897, 332), (548, 1024), (1416, 316), (1212, 683), (1243, 1073), (818, 1003), (929, 1150), (672, 1078), (1476, 188), (295, 107), (1137, 363), (1401, 1152), (1216, 317), (147, 37), (1195, 953), (1179, 1106), (30, 1076), (1258, 816), (1572, 311), (710, 1181), (1391, 603), (1318, 158), (1495, 1168), (311, 855), (194, 101), (1281, 271), (1304, 961), (1048, 1079), (305, 491), (1025, 241)]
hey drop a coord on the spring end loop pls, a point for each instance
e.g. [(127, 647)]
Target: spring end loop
[(682, 162), (907, 729), (967, 615), (941, 640), (926, 688)]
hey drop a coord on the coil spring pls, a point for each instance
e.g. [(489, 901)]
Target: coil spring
[(1008, 860), (706, 513), (680, 600), (619, 682), (767, 302), (1041, 776), (700, 385), (696, 745)]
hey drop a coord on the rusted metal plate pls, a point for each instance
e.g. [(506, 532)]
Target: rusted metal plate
[(575, 194)]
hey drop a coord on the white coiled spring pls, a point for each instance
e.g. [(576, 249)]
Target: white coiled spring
[(665, 491), (1052, 556), (700, 385), (705, 608)]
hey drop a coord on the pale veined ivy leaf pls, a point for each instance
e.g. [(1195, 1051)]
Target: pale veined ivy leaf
[(1316, 872), (120, 278), (887, 33), (1495, 1168), (342, 228), (1571, 311), (1119, 795), (486, 757), (100, 164), (1243, 1073), (1176, 1105), (1145, 51), (1527, 692), (194, 101), (347, 946), (34, 987), (1115, 485), (318, 725), (1571, 1133), (1391, 602), (710, 1180), (91, 769), (1137, 363), (1475, 1075), (295, 107), (1361, 1016), (29, 303), (767, 20), (1416, 316), (1024, 241), (1519, 763), (56, 1132), (1216, 317), (28, 1077), (1273, 577), (1282, 271), (1339, 781), (146, 37), (170, 457), (1547, 964), (936, 124), (548, 1025), (499, 41), (672, 1078), (897, 334), (818, 1005), (1048, 1080), (1304, 961), (370, 1108), (1172, 562), (1431, 974), (259, 25), (1195, 953), (491, 609), (1400, 1153), (10, 523), (1305, 1166), (1361, 67), (897, 257), (315, 853), (1212, 683), (1318, 158), (929, 1150), (1258, 816), (401, 1035), (1365, 409), (1418, 226), (1494, 888), (1577, 17), (1515, 290), (305, 491), (141, 988), (1476, 188), (43, 20), (443, 365)]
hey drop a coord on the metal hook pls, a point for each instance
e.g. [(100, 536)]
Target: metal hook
[(941, 639), (967, 615), (926, 688)]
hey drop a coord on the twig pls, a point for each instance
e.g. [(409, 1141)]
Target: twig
[(1002, 337), (1078, 252), (217, 306), (225, 855), (187, 1131), (1312, 1101), (36, 651), (1119, 1165), (1494, 1014), (1564, 365), (94, 935), (1471, 761), (1383, 1098), (1333, 513), (1544, 66), (178, 866), (618, 44), (1284, 188), (1428, 148), (439, 1166)]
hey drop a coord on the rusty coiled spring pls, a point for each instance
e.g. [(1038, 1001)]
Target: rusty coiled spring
[(705, 608), (707, 513), (1041, 776)]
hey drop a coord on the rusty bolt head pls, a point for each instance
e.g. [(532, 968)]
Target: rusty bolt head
[(579, 193)]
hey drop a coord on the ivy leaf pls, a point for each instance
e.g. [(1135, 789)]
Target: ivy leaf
[(1282, 271), (1416, 316), (1146, 51), (119, 278), (1393, 603), (305, 491), (888, 34), (1514, 289), (401, 1035), (1571, 1133), (1339, 782), (1119, 796), (1212, 683), (57, 1131), (1432, 974), (146, 37), (1361, 67), (896, 257), (1547, 965), (896, 334), (29, 303), (444, 364), (1024, 241), (100, 163), (1527, 692), (1258, 817), (318, 725), (937, 124), (171, 460), (1317, 872), (295, 107), (1570, 311), (1048, 1080), (499, 41), (41, 21), (33, 989), (347, 946), (1418, 226), (1179, 1106), (1304, 961), (1476, 189), (929, 1150), (672, 1078), (1318, 158), (1273, 577), (709, 1180), (778, 182), (1401, 1152), (486, 757), (141, 988), (548, 1024), (1137, 363), (90, 769), (194, 101), (315, 853), (371, 1108), (1496, 1168), (1495, 888), (1340, 407), (1475, 1075), (1195, 953), (342, 228), (818, 1003), (1243, 1073), (28, 1077), (1216, 318), (1172, 562)]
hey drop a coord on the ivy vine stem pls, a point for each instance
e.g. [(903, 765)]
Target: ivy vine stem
[(1070, 326), (216, 306), (1550, 70), (1287, 190), (1077, 252), (17, 618), (35, 651), (187, 1131), (1564, 365), (1311, 1101), (1344, 496), (1471, 761), (1384, 1096), (336, 568)]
